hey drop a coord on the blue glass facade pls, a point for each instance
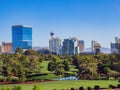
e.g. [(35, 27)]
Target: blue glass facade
[(21, 37)]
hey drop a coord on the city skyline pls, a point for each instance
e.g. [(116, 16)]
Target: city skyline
[(86, 19)]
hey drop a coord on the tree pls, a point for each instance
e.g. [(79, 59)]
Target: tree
[(87, 66), (21, 74), (19, 50), (30, 52), (103, 68), (59, 71), (51, 66), (66, 65)]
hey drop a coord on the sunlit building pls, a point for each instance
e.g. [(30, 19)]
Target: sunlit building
[(115, 45), (6, 47), (21, 37), (54, 44), (95, 46), (81, 45)]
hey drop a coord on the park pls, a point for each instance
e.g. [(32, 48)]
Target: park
[(35, 71)]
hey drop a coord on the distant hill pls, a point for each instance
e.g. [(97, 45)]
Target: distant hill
[(103, 50)]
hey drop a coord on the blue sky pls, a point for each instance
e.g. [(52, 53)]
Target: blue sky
[(86, 19)]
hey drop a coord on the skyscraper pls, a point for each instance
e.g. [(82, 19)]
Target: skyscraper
[(95, 46), (81, 45), (54, 44), (21, 37), (115, 46), (70, 46)]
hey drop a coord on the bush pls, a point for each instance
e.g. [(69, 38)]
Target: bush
[(14, 79), (111, 86), (89, 88), (118, 86), (96, 87), (81, 88), (72, 89)]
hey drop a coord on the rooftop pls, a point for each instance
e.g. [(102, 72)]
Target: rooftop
[(22, 26)]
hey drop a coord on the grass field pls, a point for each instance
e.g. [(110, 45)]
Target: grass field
[(59, 85), (44, 65)]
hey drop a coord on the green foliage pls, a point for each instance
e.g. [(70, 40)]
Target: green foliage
[(103, 68), (51, 66), (58, 66), (66, 65), (59, 71), (18, 65), (21, 74), (30, 52), (19, 50)]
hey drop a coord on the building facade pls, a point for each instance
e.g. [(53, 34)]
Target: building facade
[(95, 46), (114, 46), (21, 37), (6, 47), (70, 46), (54, 44), (81, 45)]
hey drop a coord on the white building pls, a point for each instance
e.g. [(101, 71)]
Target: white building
[(54, 44), (95, 46)]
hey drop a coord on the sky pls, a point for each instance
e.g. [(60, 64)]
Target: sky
[(85, 19)]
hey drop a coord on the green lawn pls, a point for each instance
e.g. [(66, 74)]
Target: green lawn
[(44, 65), (68, 84)]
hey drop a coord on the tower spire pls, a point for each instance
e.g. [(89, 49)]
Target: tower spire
[(52, 34)]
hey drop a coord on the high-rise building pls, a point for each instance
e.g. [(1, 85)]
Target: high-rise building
[(54, 44), (115, 45), (6, 47), (70, 46), (95, 46), (21, 37), (81, 45)]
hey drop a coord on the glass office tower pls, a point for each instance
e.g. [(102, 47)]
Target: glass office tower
[(21, 37)]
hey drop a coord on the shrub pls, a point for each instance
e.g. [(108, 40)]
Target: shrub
[(118, 86), (72, 89), (81, 88), (14, 79), (89, 88), (96, 87), (111, 86)]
